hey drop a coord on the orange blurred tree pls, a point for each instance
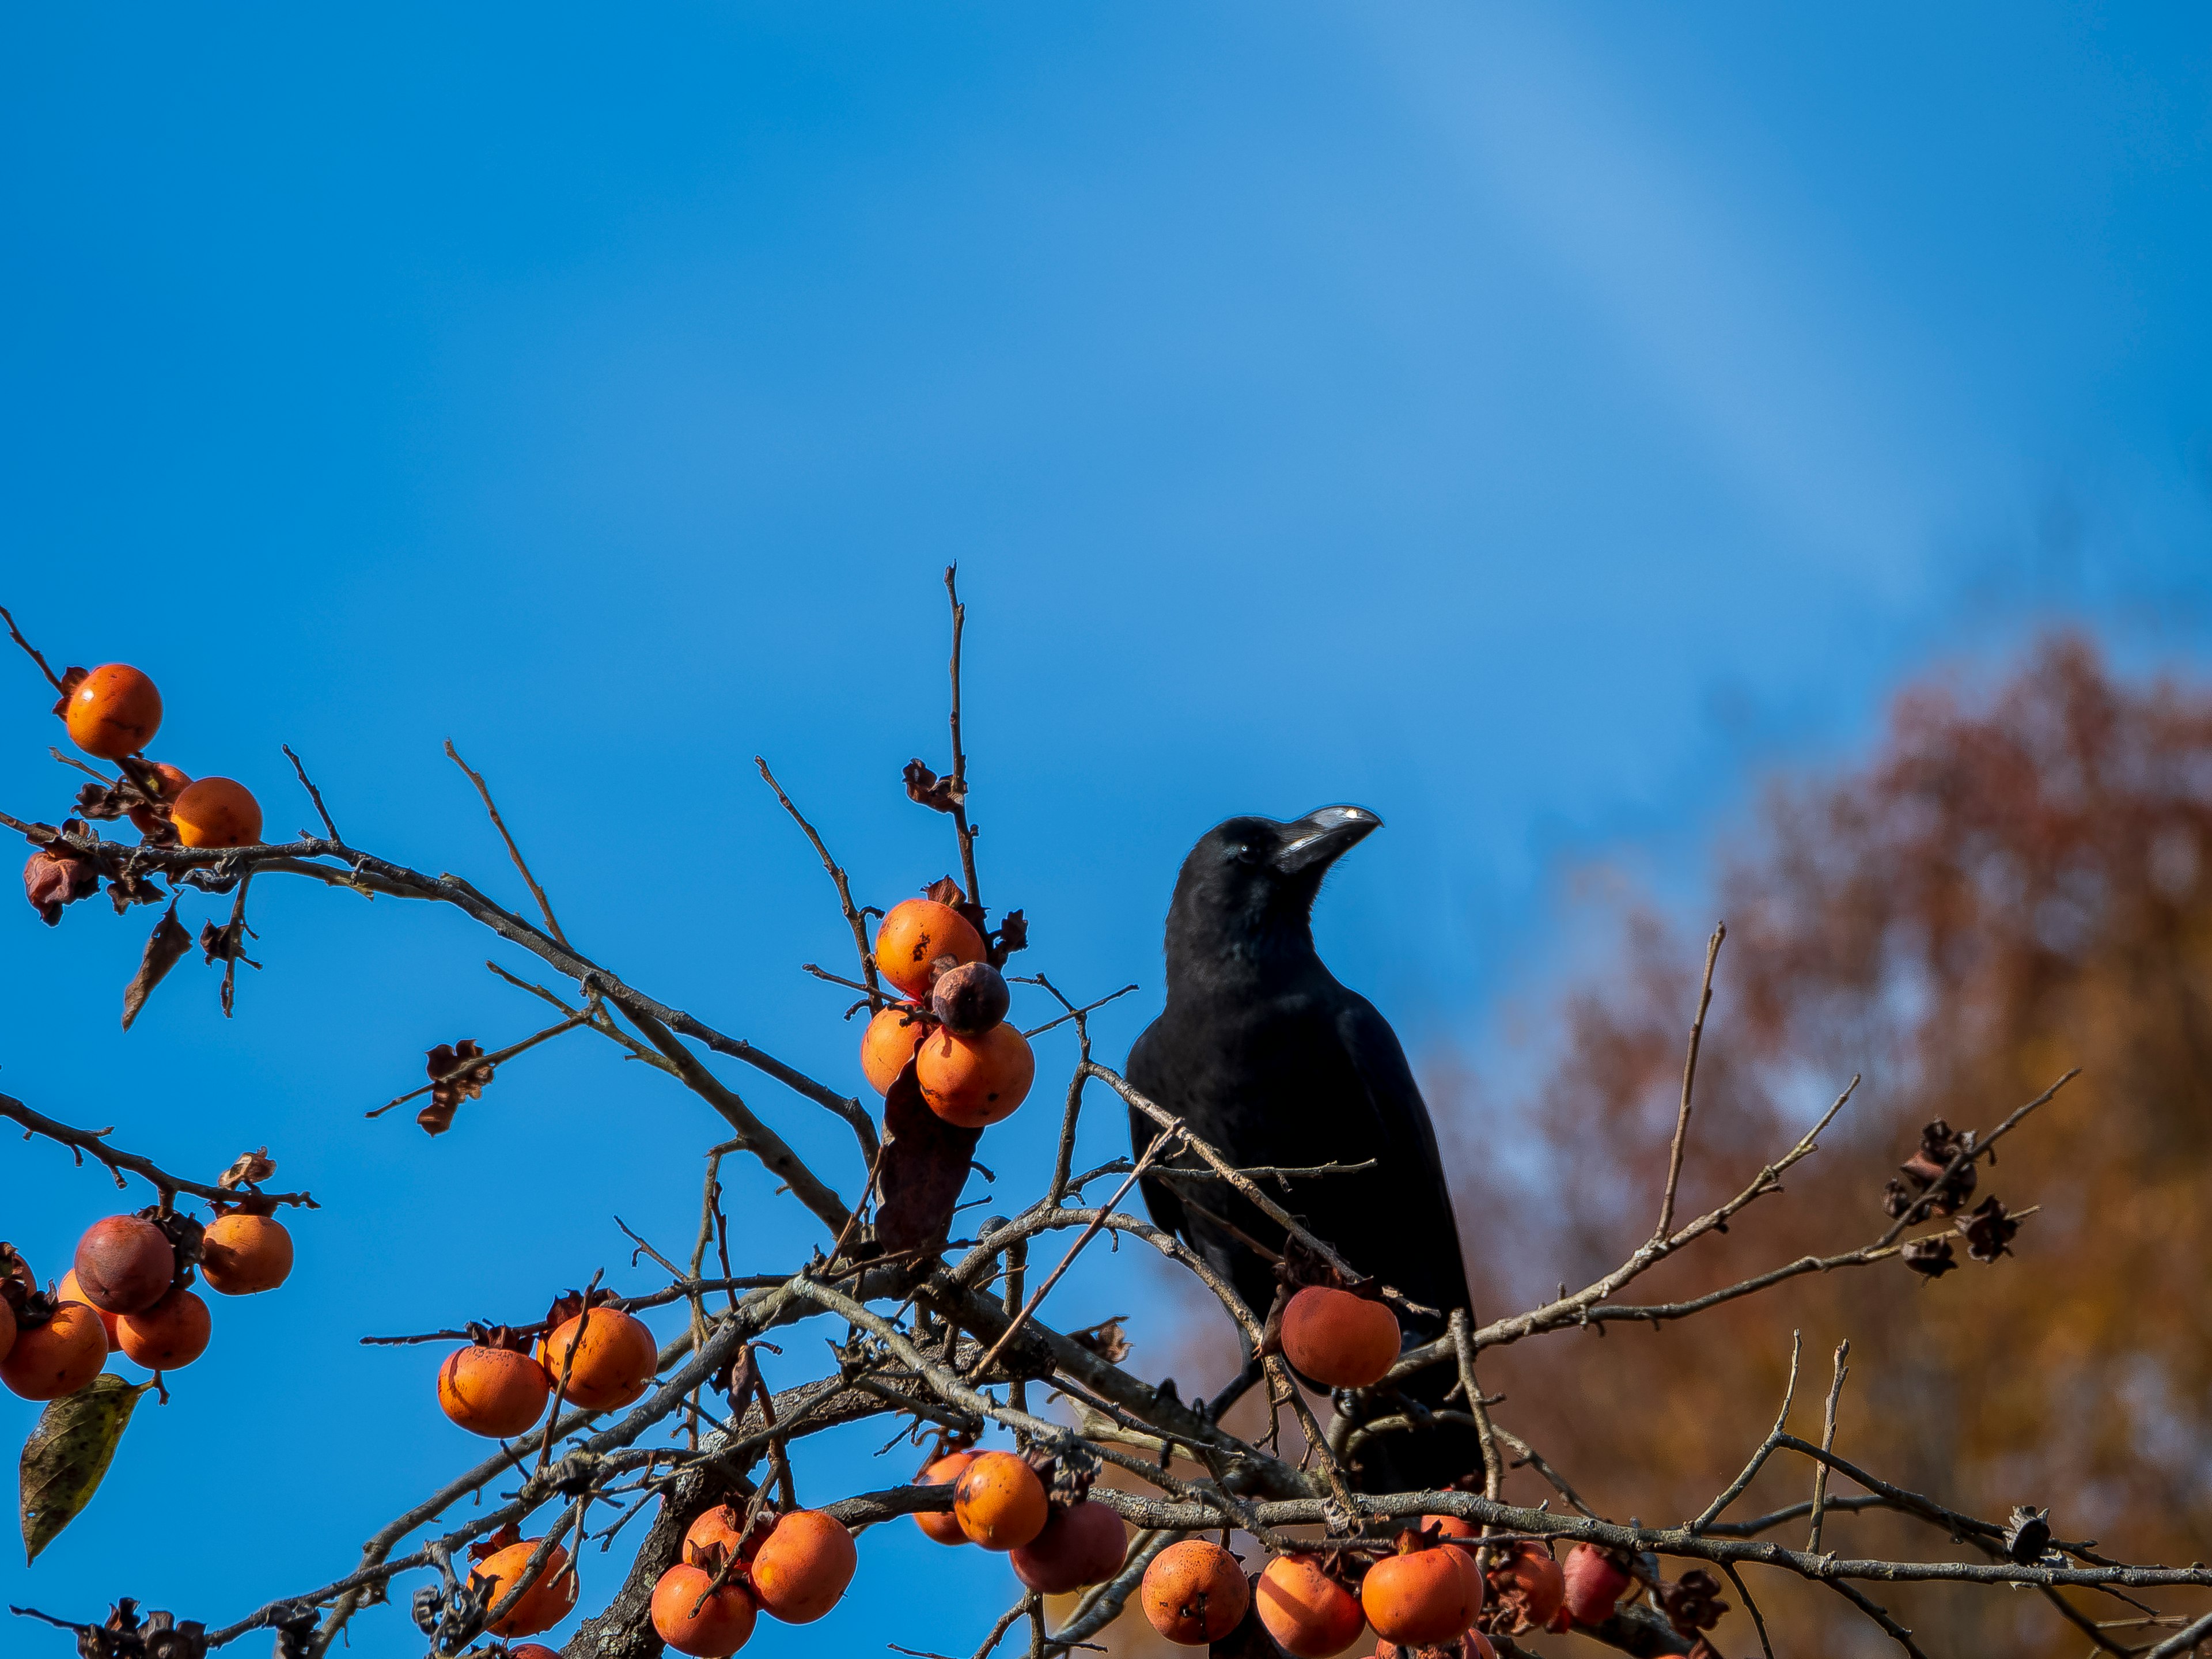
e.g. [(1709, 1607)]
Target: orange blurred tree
[(2013, 884)]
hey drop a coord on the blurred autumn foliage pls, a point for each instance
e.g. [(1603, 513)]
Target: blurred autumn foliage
[(2013, 883)]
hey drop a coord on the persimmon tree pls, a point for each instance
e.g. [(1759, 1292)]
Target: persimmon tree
[(948, 1338)]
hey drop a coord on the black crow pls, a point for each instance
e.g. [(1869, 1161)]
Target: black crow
[(1266, 1056)]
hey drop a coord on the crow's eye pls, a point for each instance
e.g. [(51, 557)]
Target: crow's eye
[(1243, 852)]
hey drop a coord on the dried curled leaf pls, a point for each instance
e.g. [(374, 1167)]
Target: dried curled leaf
[(454, 1080), (925, 1166), (1931, 1258), (925, 788), (1928, 1188), (1989, 1231), (124, 1635), (1106, 1339), (248, 1169), (163, 952), (1012, 935), (1693, 1602), (68, 1454), (55, 876), (2026, 1535)]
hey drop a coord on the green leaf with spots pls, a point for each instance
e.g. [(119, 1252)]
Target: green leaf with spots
[(67, 1454)]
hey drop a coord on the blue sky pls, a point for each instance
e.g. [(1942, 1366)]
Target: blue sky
[(1534, 424)]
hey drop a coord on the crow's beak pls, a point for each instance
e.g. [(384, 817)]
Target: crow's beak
[(1323, 835)]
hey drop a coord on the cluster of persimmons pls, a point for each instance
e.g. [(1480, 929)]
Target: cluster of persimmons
[(129, 1291), (973, 1067), (113, 712)]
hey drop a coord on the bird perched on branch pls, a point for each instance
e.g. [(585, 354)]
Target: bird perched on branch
[(1265, 1055)]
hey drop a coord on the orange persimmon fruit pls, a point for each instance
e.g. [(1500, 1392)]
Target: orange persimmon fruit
[(888, 1043), (723, 1527), (1340, 1340), (494, 1392), (113, 711), (1195, 1592), (944, 1525), (242, 1255), (216, 812), (58, 1357), (69, 1291), (975, 1082), (999, 1502), (1423, 1595), (545, 1604), (1307, 1610), (172, 1332), (918, 935), (710, 1623), (615, 1358), (803, 1566)]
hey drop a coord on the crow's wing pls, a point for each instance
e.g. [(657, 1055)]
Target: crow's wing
[(1151, 1072)]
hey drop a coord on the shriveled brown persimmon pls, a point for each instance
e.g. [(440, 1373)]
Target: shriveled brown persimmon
[(114, 711), (1340, 1340), (492, 1391), (803, 1566), (125, 1263), (216, 812), (7, 1328), (1422, 1595), (888, 1043), (615, 1358), (242, 1255), (1195, 1592), (545, 1604), (167, 783), (171, 1334), (693, 1619), (977, 1081), (70, 1290), (1306, 1609), (1083, 1544), (999, 1502), (919, 935), (58, 1357), (944, 1525), (1524, 1579)]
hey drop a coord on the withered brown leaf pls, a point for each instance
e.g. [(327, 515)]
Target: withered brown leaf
[(925, 1166), (247, 1168), (56, 876), (1989, 1231), (1931, 1258), (453, 1080), (163, 952), (926, 789), (1106, 1339)]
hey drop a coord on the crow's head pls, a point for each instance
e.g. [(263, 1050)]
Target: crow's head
[(1248, 888)]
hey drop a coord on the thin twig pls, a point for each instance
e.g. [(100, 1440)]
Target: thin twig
[(16, 634), (1689, 1081), (853, 917), (544, 904), (1767, 1447), (313, 793), (1827, 1445)]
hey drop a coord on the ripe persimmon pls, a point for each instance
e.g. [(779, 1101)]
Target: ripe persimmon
[(723, 1527), (888, 1043), (58, 1357), (172, 1332), (692, 1619), (545, 1604), (919, 935), (970, 1000), (492, 1391), (70, 1290), (531, 1650), (1306, 1609), (167, 783), (1195, 1592), (7, 1328), (803, 1566), (1422, 1595), (124, 1264), (1340, 1340), (216, 812), (1592, 1583), (113, 711), (615, 1358), (943, 1525), (975, 1081), (999, 1502), (1083, 1544), (242, 1255)]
